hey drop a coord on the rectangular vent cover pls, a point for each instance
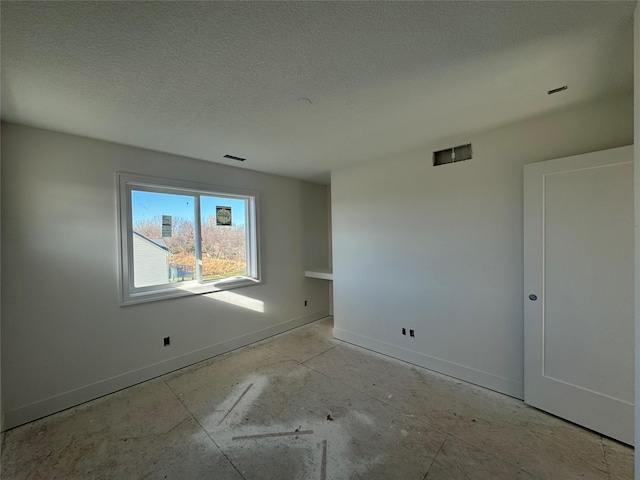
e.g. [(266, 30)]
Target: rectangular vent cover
[(453, 154), (233, 157)]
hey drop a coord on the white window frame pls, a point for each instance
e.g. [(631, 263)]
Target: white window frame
[(129, 293)]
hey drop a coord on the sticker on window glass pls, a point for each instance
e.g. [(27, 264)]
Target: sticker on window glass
[(166, 225), (223, 216)]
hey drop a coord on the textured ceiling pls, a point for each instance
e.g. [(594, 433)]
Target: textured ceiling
[(300, 88)]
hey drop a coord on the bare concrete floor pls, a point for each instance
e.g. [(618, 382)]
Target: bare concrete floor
[(303, 405)]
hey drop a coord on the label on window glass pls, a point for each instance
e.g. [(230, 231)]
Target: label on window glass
[(166, 225), (223, 216)]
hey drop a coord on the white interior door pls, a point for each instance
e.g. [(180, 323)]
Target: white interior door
[(578, 263)]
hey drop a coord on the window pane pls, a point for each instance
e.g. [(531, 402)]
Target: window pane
[(224, 239), (163, 238)]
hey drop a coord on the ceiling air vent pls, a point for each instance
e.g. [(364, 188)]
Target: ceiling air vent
[(453, 154), (233, 157)]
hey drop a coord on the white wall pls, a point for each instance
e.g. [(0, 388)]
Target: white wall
[(440, 249), (636, 81), (1, 403), (65, 340)]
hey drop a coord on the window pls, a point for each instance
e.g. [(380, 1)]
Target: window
[(180, 238)]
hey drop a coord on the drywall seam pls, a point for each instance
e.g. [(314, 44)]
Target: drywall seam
[(477, 377), (62, 401)]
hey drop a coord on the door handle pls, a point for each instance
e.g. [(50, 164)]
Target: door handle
[(533, 297)]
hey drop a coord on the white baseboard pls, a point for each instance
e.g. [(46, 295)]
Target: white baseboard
[(62, 401), (468, 374)]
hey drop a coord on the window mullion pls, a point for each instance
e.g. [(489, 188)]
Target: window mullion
[(248, 238), (198, 238)]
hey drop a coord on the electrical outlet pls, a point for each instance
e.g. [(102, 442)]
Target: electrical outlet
[(305, 303), (404, 331), (167, 341), (412, 333)]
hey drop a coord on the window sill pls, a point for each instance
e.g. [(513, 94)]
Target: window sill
[(192, 288)]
